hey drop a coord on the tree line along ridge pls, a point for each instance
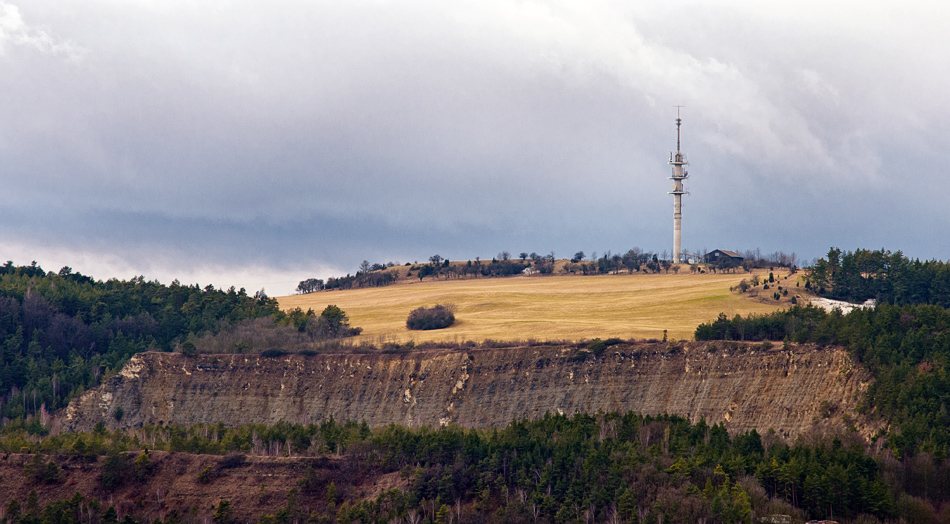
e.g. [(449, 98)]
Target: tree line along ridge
[(504, 265)]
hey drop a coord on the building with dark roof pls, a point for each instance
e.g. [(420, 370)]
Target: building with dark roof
[(720, 256)]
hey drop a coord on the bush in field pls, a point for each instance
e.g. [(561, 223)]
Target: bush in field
[(334, 323), (436, 317)]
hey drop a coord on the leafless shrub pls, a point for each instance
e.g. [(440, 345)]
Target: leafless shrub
[(251, 336)]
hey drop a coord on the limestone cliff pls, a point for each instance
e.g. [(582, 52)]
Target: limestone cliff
[(745, 386)]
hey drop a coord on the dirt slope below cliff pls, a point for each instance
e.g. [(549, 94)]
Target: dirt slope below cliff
[(257, 485), (744, 387)]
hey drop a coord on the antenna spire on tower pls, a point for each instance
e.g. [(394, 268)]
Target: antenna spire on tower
[(678, 122)]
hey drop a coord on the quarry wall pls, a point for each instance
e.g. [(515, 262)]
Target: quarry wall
[(743, 386)]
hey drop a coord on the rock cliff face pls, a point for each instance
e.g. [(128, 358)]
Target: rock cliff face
[(745, 387)]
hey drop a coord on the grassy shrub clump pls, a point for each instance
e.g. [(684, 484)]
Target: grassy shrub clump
[(436, 317)]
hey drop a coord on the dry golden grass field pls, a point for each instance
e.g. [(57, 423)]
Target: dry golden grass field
[(550, 307)]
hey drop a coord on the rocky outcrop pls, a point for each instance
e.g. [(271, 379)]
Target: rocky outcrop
[(743, 386)]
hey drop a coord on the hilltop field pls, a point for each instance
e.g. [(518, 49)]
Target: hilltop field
[(554, 307)]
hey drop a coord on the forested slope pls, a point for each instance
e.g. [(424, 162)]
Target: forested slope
[(888, 277), (904, 341), (60, 333), (610, 467)]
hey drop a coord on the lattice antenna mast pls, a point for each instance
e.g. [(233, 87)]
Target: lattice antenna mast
[(678, 161), (679, 122)]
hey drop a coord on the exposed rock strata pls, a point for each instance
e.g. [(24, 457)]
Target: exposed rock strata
[(745, 387)]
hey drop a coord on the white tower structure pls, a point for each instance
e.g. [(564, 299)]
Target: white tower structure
[(678, 161)]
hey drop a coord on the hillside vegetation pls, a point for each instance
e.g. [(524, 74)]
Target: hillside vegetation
[(61, 333), (856, 276), (555, 307), (603, 467), (904, 341), (613, 467)]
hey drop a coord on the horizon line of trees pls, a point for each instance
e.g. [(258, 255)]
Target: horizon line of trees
[(882, 275), (504, 264)]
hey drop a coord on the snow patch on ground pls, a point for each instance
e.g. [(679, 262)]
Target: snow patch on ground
[(846, 307)]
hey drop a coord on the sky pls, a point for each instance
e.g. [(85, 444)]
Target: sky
[(257, 144)]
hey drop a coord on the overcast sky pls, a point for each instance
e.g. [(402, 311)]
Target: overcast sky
[(261, 143)]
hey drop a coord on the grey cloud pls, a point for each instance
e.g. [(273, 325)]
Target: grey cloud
[(251, 134), (14, 32)]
